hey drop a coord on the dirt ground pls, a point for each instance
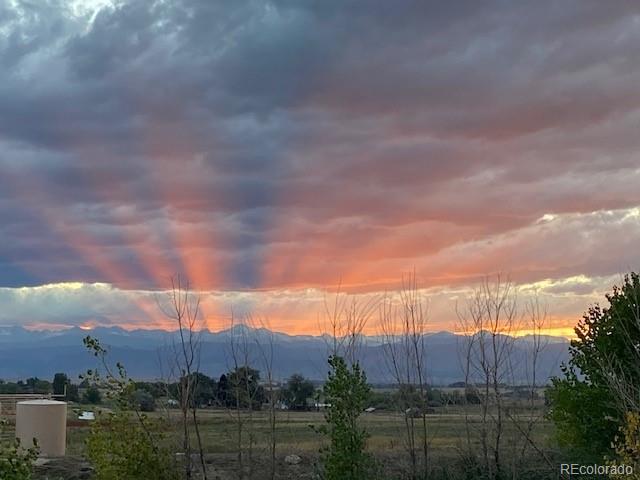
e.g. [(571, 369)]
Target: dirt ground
[(222, 466)]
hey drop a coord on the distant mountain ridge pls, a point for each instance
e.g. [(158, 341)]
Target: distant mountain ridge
[(30, 353)]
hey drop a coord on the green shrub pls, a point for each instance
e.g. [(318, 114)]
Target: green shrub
[(144, 401), (123, 448), (126, 444), (16, 462)]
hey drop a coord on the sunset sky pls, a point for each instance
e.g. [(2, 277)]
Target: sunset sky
[(269, 150)]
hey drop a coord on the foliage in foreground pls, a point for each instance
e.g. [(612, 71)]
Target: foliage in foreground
[(584, 415), (125, 444), (585, 405), (16, 462), (347, 391), (627, 446), (121, 448)]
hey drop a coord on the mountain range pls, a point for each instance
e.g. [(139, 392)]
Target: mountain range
[(41, 353)]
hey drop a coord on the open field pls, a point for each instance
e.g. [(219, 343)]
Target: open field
[(296, 435), (295, 431)]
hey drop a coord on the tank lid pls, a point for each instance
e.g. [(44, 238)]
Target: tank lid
[(41, 402)]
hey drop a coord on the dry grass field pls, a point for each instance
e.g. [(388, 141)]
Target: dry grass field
[(296, 435)]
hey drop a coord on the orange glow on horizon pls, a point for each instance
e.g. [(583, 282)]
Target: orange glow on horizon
[(218, 325)]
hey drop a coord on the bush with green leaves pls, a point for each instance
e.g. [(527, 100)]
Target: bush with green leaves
[(144, 401), (16, 462), (347, 392), (122, 447), (126, 444)]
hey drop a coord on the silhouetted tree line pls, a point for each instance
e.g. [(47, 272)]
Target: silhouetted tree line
[(61, 385), (30, 385), (238, 387)]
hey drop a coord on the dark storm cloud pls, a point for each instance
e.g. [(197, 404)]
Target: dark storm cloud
[(269, 137)]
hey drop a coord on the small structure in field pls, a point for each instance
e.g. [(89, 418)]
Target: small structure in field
[(87, 416), (44, 420)]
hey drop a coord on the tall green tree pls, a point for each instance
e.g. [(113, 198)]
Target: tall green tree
[(223, 395), (589, 402), (62, 385), (60, 382), (204, 390), (244, 389), (347, 392), (296, 392)]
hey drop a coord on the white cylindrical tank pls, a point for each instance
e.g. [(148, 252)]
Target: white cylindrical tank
[(44, 420)]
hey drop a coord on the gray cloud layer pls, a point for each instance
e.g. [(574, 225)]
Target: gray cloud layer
[(272, 144)]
